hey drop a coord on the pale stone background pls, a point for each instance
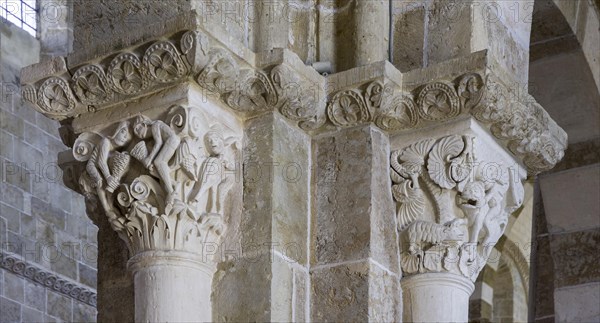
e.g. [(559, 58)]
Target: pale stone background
[(40, 219), (563, 69)]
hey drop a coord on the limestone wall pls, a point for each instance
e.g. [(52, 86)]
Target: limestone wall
[(41, 222)]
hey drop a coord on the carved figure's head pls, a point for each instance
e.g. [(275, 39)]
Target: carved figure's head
[(214, 142), (473, 195), (122, 135), (455, 230), (140, 127)]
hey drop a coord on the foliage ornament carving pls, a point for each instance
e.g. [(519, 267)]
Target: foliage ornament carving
[(249, 90), (163, 184), (47, 279), (449, 214)]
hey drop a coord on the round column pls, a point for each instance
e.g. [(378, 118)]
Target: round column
[(436, 297), (370, 35), (172, 286)]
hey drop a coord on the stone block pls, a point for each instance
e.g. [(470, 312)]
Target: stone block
[(6, 144), (301, 304), (59, 306), (34, 136), (35, 296), (576, 257), (12, 217), (340, 293), (30, 315), (61, 263), (343, 196), (14, 287), (28, 157), (571, 199), (11, 123), (87, 275), (577, 303), (408, 31), (291, 186), (544, 300), (282, 284), (17, 175), (83, 313), (48, 213), (11, 311), (256, 294), (28, 226), (255, 224), (385, 301)]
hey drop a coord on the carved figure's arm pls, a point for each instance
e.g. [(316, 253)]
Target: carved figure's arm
[(103, 158), (158, 142)]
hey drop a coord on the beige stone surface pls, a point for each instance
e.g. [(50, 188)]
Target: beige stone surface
[(577, 303), (572, 194)]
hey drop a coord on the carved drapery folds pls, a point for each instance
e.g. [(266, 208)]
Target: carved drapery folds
[(450, 211), (163, 184)]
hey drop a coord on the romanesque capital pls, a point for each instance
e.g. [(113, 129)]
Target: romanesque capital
[(453, 203), (162, 182), (253, 83)]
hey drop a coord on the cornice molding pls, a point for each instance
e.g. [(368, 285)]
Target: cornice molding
[(48, 279), (278, 81)]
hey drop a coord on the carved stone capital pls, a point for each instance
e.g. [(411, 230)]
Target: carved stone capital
[(453, 203), (277, 80), (163, 183)]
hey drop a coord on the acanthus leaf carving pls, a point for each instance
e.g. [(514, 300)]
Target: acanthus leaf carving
[(162, 184)]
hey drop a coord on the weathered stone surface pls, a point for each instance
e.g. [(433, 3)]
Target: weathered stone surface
[(340, 292), (563, 194), (575, 257), (577, 303), (409, 28), (59, 306), (35, 296), (11, 311)]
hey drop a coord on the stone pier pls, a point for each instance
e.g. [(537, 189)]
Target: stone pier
[(246, 186)]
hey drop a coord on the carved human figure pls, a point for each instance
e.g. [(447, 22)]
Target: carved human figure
[(481, 202), (98, 163), (166, 142), (213, 181)]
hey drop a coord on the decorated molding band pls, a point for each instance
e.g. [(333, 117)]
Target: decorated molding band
[(283, 86), (47, 279), (162, 183)]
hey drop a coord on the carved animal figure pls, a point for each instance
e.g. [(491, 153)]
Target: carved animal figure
[(423, 232), (480, 202)]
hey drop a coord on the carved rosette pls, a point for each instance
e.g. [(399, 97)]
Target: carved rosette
[(163, 184), (299, 95), (449, 214)]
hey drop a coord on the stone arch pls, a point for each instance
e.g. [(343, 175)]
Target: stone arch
[(564, 76)]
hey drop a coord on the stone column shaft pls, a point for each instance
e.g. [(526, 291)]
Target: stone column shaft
[(171, 286)]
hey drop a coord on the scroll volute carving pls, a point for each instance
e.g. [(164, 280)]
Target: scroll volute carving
[(449, 214), (162, 183)]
